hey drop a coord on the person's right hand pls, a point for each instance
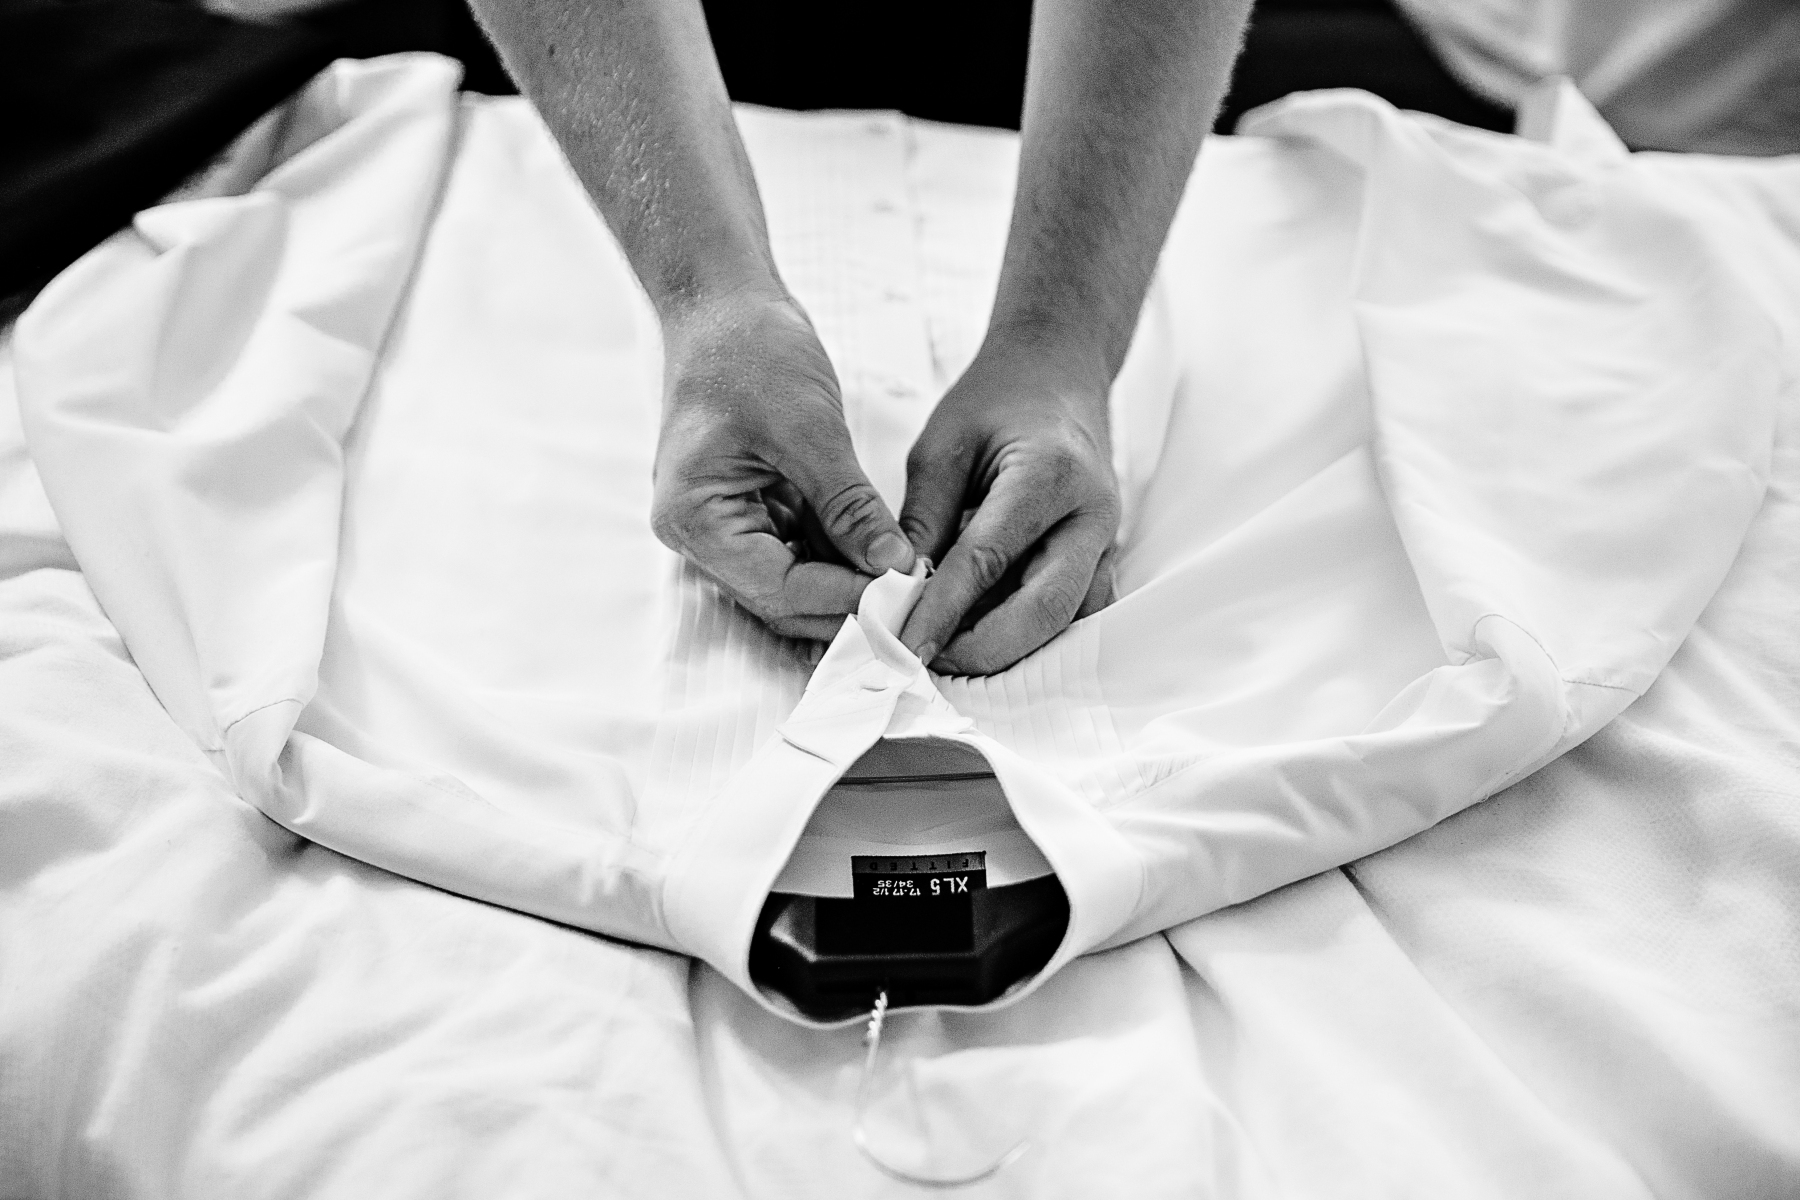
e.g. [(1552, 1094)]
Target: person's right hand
[(756, 481)]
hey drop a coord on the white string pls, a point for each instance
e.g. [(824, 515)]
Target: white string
[(872, 1039)]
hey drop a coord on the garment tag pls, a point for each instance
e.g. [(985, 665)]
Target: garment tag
[(922, 879)]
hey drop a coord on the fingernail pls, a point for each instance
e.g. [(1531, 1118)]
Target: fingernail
[(927, 652), (891, 552)]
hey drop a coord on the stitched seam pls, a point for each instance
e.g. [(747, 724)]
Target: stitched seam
[(1499, 616), (1617, 687), (246, 716)]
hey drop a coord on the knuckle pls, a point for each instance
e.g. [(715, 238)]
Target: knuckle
[(1055, 604), (987, 564), (1073, 457), (1063, 467), (916, 529), (852, 508), (678, 523), (927, 456)]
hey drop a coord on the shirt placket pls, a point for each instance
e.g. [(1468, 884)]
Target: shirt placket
[(844, 229)]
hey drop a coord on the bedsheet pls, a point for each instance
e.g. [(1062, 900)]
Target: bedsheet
[(1583, 986)]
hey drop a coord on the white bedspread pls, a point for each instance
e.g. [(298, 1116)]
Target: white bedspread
[(1586, 986)]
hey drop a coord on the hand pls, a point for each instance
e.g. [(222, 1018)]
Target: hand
[(1022, 440), (756, 481)]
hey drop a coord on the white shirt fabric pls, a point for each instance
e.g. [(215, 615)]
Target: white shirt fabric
[(1585, 986), (1521, 421)]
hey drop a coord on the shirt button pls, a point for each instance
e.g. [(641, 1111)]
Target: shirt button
[(877, 678)]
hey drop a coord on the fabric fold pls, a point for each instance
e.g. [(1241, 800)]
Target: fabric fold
[(1435, 497)]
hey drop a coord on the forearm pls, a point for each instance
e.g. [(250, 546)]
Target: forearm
[(632, 92), (1119, 94)]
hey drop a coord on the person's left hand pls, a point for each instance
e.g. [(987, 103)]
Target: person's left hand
[(1021, 440)]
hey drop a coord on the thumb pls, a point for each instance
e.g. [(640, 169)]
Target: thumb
[(850, 510)]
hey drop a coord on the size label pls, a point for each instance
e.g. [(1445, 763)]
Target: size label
[(926, 878)]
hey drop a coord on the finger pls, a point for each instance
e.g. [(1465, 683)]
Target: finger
[(820, 589), (1016, 513), (732, 540), (818, 543), (852, 514), (764, 575), (811, 601), (937, 485), (787, 511), (809, 629), (1103, 590), (1058, 582), (798, 526)]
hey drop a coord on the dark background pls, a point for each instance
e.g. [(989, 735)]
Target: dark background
[(962, 62), (115, 102)]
